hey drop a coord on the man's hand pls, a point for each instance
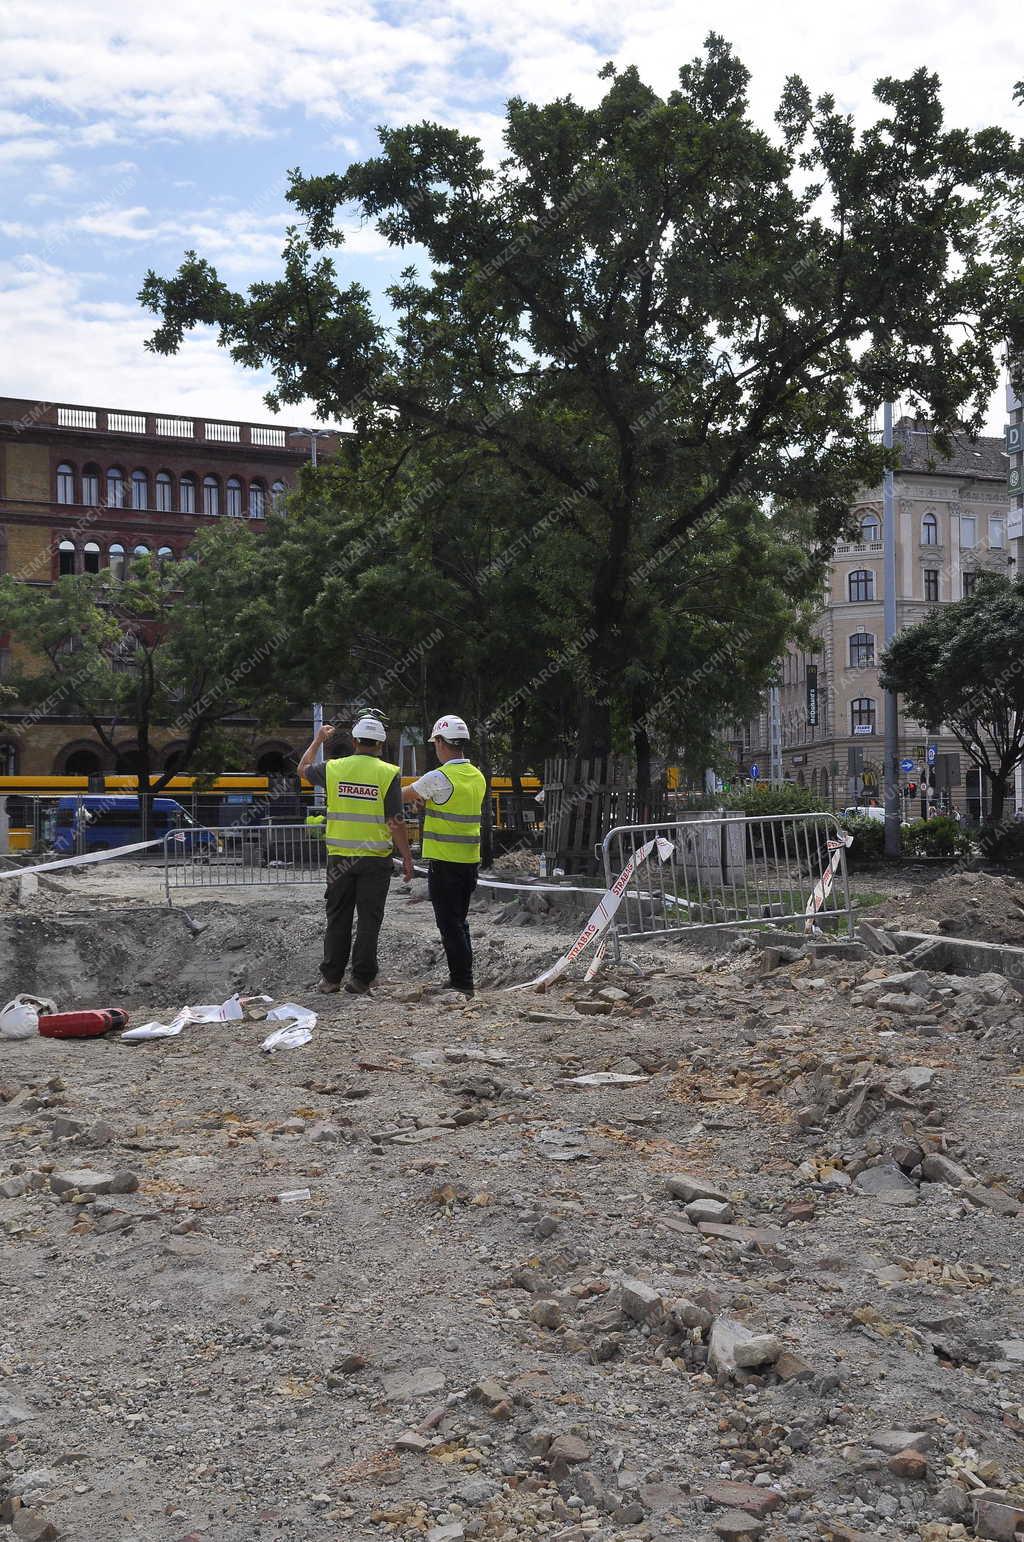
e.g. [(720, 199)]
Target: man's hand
[(326, 729), (408, 871)]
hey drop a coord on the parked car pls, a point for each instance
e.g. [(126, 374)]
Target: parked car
[(102, 822)]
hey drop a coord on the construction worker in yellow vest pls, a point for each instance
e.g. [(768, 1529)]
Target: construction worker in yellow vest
[(362, 824), (452, 798)]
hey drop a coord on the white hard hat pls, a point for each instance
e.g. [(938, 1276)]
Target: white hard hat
[(369, 728), (449, 727)]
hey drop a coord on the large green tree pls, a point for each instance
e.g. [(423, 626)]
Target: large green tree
[(158, 648), (655, 316), (963, 665)]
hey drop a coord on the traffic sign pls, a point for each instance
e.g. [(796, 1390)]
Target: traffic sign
[(1015, 481), (906, 765), (932, 754), (1014, 438), (755, 771)]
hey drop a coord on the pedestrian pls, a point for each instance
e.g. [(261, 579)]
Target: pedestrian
[(362, 823), (452, 798)]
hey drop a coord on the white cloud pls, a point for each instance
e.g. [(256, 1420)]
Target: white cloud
[(91, 353)]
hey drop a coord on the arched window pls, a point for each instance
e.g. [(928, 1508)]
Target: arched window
[(82, 762), (862, 714), (929, 530), (90, 557), (187, 495), (115, 488), (140, 551), (140, 490), (257, 500), (163, 492), (66, 558), (277, 495), (869, 527), (91, 485), (862, 650), (862, 584), (234, 497), (211, 495), (115, 558), (65, 483), (164, 556)]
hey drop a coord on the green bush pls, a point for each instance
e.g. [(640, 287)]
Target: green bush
[(868, 840), (786, 799), (937, 837), (1003, 842)]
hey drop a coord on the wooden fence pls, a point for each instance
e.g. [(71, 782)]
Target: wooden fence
[(583, 800)]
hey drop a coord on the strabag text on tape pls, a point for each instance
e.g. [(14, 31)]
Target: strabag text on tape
[(602, 914), (823, 887)]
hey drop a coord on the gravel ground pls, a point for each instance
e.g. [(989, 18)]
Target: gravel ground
[(495, 1314)]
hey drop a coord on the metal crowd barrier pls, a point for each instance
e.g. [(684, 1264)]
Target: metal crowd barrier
[(726, 870), (249, 856)]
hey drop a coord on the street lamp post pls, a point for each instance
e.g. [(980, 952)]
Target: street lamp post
[(890, 761), (313, 434)]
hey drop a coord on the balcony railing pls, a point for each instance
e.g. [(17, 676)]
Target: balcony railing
[(856, 548)]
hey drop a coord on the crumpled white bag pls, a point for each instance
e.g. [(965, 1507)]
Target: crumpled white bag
[(19, 1019), (300, 1023)]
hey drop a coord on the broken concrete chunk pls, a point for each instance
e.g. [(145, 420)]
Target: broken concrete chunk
[(81, 1180), (640, 1301), (687, 1186), (684, 1313), (568, 1448), (729, 1495), (885, 1178), (737, 1524), (997, 1520), (424, 1381), (892, 1442), (726, 1334), (708, 1210), (942, 1169), (750, 1236), (761, 1350)]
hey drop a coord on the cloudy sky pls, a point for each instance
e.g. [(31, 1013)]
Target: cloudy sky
[(131, 130)]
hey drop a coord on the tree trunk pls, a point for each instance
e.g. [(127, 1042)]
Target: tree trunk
[(999, 785), (642, 751)]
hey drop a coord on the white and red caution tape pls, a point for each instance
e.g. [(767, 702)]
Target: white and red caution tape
[(823, 887), (602, 916), (94, 856)]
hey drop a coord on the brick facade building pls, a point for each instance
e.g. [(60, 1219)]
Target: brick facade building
[(85, 488)]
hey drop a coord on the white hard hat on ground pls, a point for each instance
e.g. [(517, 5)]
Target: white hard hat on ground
[(450, 727), (369, 728)]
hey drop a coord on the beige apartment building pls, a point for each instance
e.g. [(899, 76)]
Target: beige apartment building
[(951, 524)]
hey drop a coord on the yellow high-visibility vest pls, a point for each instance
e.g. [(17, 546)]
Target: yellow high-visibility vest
[(355, 822), (451, 831)]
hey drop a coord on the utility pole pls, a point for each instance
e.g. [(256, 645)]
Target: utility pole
[(313, 434), (890, 763), (774, 736)]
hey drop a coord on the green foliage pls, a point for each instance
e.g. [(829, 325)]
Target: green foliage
[(868, 840), (159, 647), (940, 836), (786, 799), (1002, 842), (647, 328), (964, 665)]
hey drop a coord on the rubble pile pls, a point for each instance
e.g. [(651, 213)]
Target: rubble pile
[(963, 904), (707, 1247)]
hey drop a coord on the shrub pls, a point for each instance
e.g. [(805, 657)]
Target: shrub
[(1003, 842), (937, 837), (868, 840), (786, 799)]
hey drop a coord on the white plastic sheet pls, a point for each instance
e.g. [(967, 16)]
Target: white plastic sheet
[(299, 1024), (229, 1011)]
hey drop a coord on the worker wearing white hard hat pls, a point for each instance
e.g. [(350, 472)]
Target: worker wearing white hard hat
[(452, 798), (362, 825)]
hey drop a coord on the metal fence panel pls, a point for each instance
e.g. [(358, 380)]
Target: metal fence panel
[(726, 870), (249, 856)]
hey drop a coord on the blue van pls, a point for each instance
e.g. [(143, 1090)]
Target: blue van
[(113, 820)]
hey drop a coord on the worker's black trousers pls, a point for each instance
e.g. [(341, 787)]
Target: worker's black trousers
[(450, 886), (356, 886)]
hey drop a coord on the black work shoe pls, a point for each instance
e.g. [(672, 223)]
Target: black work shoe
[(357, 987), (463, 990), (327, 987)]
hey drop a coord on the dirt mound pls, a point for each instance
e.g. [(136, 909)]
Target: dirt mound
[(978, 905)]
